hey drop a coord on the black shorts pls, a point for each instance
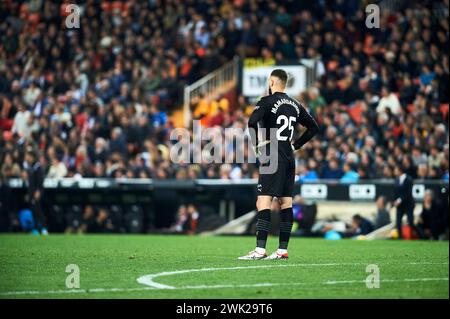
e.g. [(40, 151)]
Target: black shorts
[(280, 183)]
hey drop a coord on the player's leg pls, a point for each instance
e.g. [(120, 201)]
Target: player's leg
[(269, 185), (263, 226), (286, 215), (266, 189), (286, 222), (263, 204)]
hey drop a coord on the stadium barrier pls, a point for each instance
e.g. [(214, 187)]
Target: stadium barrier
[(159, 199)]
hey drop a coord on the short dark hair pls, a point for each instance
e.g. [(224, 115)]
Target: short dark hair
[(400, 167), (281, 74)]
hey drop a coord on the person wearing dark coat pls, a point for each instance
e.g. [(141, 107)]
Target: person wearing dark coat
[(403, 199), (35, 190), (432, 219)]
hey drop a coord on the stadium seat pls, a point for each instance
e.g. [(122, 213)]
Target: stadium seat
[(74, 216), (134, 219)]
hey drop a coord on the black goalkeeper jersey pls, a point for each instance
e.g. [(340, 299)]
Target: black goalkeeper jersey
[(282, 113)]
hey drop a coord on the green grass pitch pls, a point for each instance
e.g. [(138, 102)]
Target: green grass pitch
[(206, 267)]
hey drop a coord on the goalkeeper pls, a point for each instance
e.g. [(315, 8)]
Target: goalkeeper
[(282, 115)]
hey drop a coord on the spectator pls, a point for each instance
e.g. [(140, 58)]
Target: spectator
[(193, 219), (186, 220), (432, 220), (57, 169), (118, 143), (435, 158), (225, 171), (99, 153), (315, 99), (181, 221), (349, 176), (382, 217), (77, 92), (88, 221), (21, 120), (422, 171), (360, 225), (307, 174), (389, 101), (103, 223), (202, 37), (30, 128), (332, 170), (9, 169)]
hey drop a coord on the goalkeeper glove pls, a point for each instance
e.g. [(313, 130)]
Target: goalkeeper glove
[(257, 148)]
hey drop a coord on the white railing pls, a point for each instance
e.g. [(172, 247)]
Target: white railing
[(314, 70), (210, 85)]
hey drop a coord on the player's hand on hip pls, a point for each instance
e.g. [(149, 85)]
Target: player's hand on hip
[(257, 151), (293, 148), (257, 148)]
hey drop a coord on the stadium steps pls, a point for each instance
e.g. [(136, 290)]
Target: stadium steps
[(328, 210), (237, 226), (381, 233), (212, 85), (385, 231), (345, 210)]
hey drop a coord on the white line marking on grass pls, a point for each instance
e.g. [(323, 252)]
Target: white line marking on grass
[(330, 282), (37, 292), (428, 263), (150, 285), (72, 291), (197, 287), (337, 282), (148, 279)]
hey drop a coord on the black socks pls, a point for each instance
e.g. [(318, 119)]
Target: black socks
[(262, 228), (286, 221)]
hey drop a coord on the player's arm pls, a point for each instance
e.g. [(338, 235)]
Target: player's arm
[(311, 125), (255, 117)]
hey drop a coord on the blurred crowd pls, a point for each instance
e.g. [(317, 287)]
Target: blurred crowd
[(95, 101)]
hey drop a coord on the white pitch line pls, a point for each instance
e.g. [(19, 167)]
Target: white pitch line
[(102, 290), (428, 263), (337, 282), (72, 291), (148, 279), (157, 286)]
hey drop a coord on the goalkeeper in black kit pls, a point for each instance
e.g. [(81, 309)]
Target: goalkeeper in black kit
[(278, 116)]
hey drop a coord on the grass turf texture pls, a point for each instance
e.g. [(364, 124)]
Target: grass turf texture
[(29, 263)]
